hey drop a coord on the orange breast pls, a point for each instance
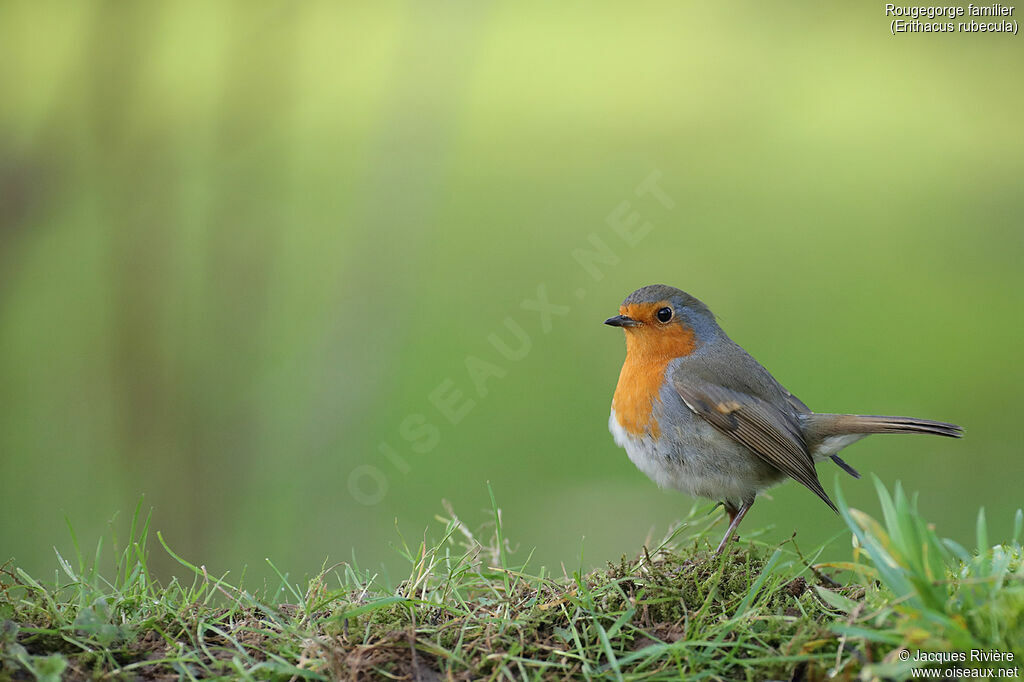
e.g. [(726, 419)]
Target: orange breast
[(639, 383), (649, 349)]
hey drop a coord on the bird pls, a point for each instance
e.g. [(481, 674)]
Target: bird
[(696, 413)]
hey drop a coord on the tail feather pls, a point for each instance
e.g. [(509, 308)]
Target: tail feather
[(827, 434), (842, 424)]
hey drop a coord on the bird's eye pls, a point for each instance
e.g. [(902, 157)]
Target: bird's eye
[(664, 314)]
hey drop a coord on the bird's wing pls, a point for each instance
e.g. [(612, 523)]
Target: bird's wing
[(768, 432), (796, 403)]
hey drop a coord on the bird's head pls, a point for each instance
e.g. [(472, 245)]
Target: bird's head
[(662, 321)]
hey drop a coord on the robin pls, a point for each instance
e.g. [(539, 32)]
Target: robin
[(697, 413)]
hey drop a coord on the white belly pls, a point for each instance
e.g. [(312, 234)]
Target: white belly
[(696, 459)]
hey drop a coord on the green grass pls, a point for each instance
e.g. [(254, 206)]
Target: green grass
[(465, 610)]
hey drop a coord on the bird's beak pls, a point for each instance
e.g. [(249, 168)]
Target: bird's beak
[(621, 321)]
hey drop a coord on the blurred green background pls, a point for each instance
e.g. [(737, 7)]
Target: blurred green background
[(241, 244)]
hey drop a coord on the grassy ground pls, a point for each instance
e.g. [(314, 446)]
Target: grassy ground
[(465, 611)]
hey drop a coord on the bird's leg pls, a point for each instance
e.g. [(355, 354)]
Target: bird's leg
[(735, 516)]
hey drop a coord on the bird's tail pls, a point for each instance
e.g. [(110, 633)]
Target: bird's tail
[(827, 434), (825, 425)]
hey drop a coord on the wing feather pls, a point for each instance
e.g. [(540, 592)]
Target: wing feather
[(770, 433)]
